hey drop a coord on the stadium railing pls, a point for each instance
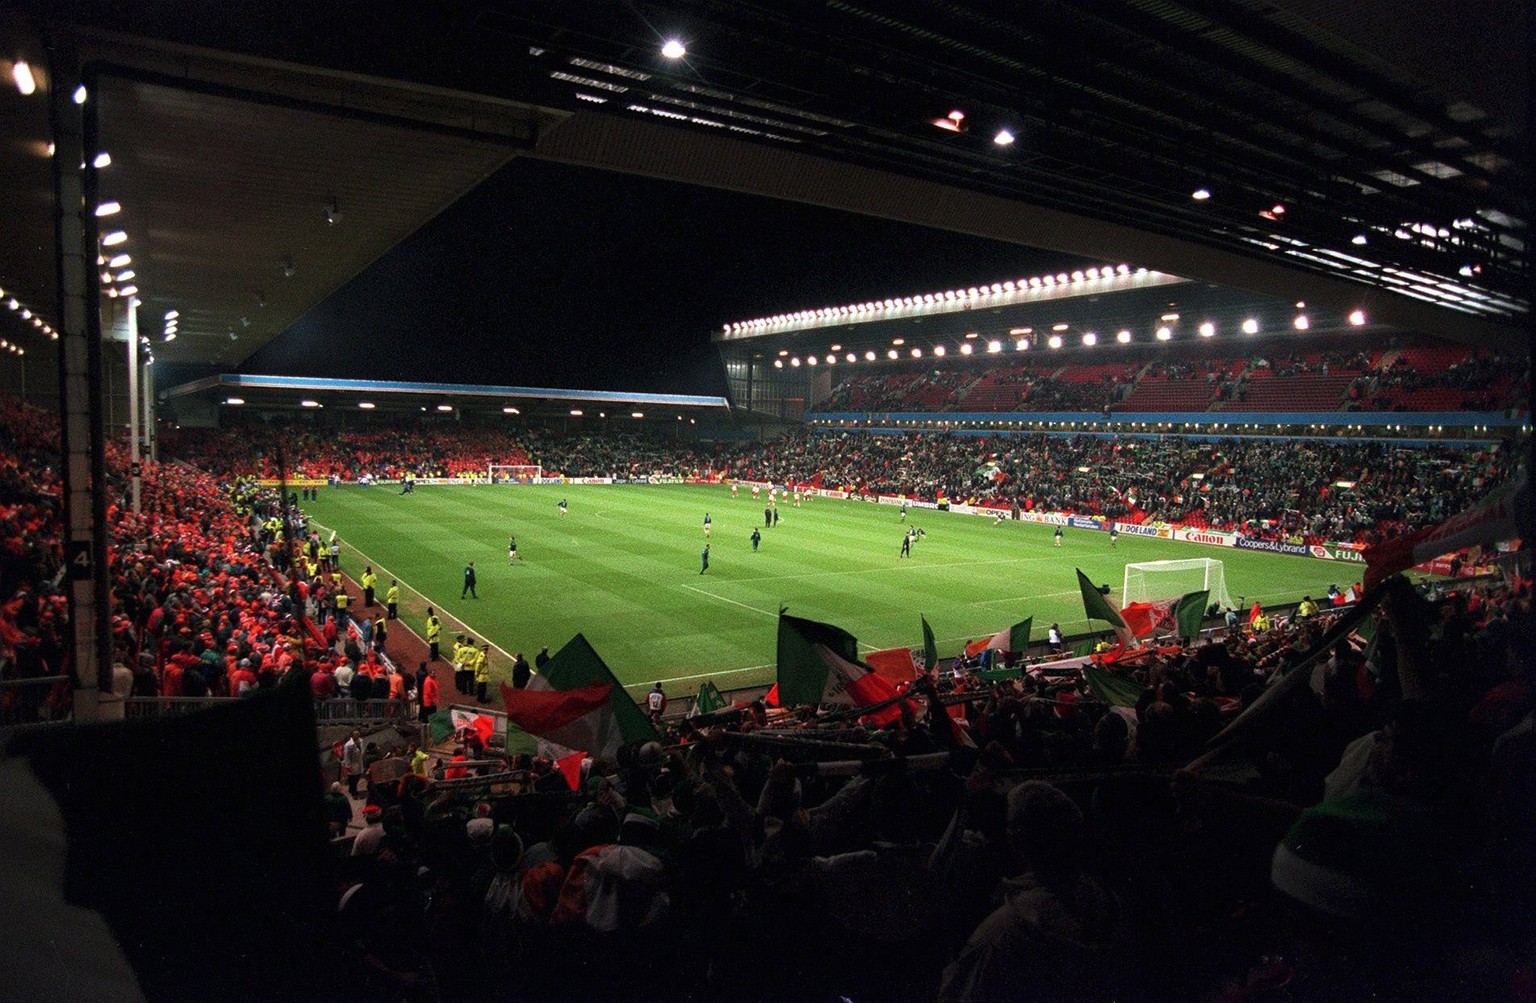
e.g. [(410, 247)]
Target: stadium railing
[(29, 702), (326, 712)]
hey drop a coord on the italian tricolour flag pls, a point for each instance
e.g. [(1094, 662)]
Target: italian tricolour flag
[(1015, 638), (1098, 608), (576, 703), (819, 664)]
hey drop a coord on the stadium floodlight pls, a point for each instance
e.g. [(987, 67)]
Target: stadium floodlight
[(1090, 339), (1250, 326), (118, 261), (1359, 240), (939, 350), (1357, 318), (1123, 337), (365, 405), (1003, 138), (576, 412), (234, 401), (109, 209), (1200, 194), (891, 354), (103, 159), (965, 349), (80, 94), (309, 403), (810, 360), (852, 357), (778, 363), (994, 346), (1054, 341), (1207, 330), (21, 73), (917, 353), (510, 410), (1301, 323), (795, 361), (869, 356), (673, 49), (114, 238), (637, 414), (1164, 333)]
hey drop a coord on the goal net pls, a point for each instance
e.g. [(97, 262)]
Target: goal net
[(1153, 581), (516, 473)]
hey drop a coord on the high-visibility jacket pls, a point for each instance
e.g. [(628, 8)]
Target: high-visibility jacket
[(482, 667)]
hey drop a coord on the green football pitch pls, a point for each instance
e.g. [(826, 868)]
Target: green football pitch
[(623, 568)]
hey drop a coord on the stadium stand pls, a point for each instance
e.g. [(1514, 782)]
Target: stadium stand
[(1334, 376), (678, 861)]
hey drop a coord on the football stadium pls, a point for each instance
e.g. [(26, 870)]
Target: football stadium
[(803, 501)]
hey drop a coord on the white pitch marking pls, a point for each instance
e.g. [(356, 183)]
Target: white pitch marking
[(733, 602), (1032, 595)]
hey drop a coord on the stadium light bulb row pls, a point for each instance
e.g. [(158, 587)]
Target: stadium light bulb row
[(874, 309), (1023, 340), (114, 285), (26, 313)]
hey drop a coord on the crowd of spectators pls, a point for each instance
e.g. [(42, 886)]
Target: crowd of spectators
[(1368, 838), (1272, 489), (200, 606), (385, 452), (382, 451)]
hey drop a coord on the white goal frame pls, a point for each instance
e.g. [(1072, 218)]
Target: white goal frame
[(1192, 575), (533, 471)]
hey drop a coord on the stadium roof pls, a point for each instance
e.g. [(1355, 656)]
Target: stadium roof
[(263, 156), (287, 393)]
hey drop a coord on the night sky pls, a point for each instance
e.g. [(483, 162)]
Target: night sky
[(549, 275)]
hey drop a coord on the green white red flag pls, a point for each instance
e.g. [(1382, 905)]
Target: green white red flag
[(1098, 608), (483, 725), (819, 664), (1015, 638), (577, 667), (1182, 616), (580, 719)]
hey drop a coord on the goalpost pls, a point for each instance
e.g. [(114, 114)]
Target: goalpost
[(1156, 580), (520, 473)]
